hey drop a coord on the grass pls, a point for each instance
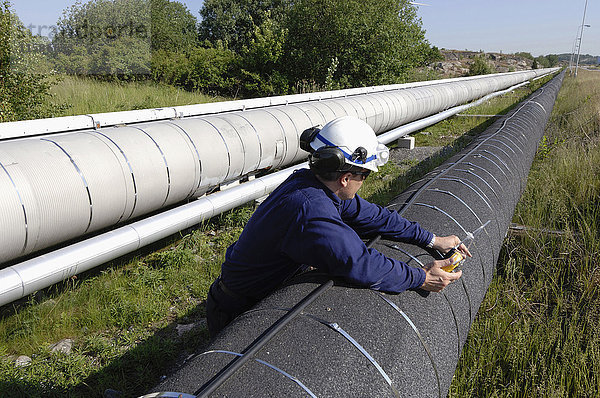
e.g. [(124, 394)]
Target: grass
[(536, 334), (81, 95), (123, 317)]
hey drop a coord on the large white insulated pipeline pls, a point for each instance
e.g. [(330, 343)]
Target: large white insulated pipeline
[(27, 277), (63, 186), (101, 120)]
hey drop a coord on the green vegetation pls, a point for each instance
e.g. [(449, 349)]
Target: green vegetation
[(481, 66), (525, 55), (354, 43), (239, 49), (124, 317), (24, 74), (81, 95), (29, 89), (543, 61), (173, 26), (536, 334), (104, 38), (243, 48)]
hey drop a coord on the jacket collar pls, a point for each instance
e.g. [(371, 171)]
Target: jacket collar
[(318, 184)]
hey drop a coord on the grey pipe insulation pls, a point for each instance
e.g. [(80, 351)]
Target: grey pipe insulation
[(60, 187), (353, 342)]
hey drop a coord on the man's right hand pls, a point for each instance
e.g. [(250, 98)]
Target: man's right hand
[(436, 279)]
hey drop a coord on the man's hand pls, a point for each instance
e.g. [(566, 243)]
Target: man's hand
[(436, 279), (445, 243)]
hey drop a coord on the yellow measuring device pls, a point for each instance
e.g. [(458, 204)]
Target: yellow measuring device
[(456, 256)]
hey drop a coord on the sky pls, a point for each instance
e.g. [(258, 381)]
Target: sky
[(540, 27)]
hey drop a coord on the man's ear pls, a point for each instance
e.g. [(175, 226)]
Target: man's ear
[(344, 179)]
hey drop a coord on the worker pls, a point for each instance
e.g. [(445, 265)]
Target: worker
[(315, 220)]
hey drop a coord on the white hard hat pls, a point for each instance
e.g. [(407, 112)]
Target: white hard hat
[(355, 139)]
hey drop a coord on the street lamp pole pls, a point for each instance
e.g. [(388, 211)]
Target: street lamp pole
[(573, 51), (581, 37)]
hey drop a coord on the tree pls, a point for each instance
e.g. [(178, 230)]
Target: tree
[(255, 31), (105, 38), (435, 55), (326, 43), (173, 26), (552, 60), (260, 60), (233, 22), (541, 62), (25, 79), (369, 41), (525, 55)]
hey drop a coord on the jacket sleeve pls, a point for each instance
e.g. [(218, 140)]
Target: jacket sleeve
[(369, 220), (323, 240)]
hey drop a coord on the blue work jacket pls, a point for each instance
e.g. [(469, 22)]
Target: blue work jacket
[(304, 223)]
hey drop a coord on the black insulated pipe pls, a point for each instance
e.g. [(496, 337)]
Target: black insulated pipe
[(350, 341)]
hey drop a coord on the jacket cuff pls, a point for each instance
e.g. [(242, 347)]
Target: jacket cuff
[(418, 277), (431, 242)]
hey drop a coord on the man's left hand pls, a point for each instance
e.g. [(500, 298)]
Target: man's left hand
[(445, 243)]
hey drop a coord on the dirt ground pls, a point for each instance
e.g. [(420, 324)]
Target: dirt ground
[(403, 156)]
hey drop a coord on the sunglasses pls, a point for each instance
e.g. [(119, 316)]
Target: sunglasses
[(364, 174)]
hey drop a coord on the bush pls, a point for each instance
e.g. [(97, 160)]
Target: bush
[(25, 77), (480, 66), (213, 70), (171, 67)]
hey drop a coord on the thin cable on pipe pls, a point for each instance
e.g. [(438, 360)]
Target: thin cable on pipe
[(359, 347), (421, 339), (217, 380), (275, 368), (22, 207)]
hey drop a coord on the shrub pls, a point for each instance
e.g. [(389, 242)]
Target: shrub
[(480, 66), (212, 70), (25, 77), (171, 67)]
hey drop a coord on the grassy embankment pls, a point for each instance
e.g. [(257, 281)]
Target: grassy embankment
[(536, 334), (79, 96), (123, 317)]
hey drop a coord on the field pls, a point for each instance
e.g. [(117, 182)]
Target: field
[(80, 96), (536, 334), (133, 320)]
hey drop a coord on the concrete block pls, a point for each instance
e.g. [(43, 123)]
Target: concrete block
[(406, 142)]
